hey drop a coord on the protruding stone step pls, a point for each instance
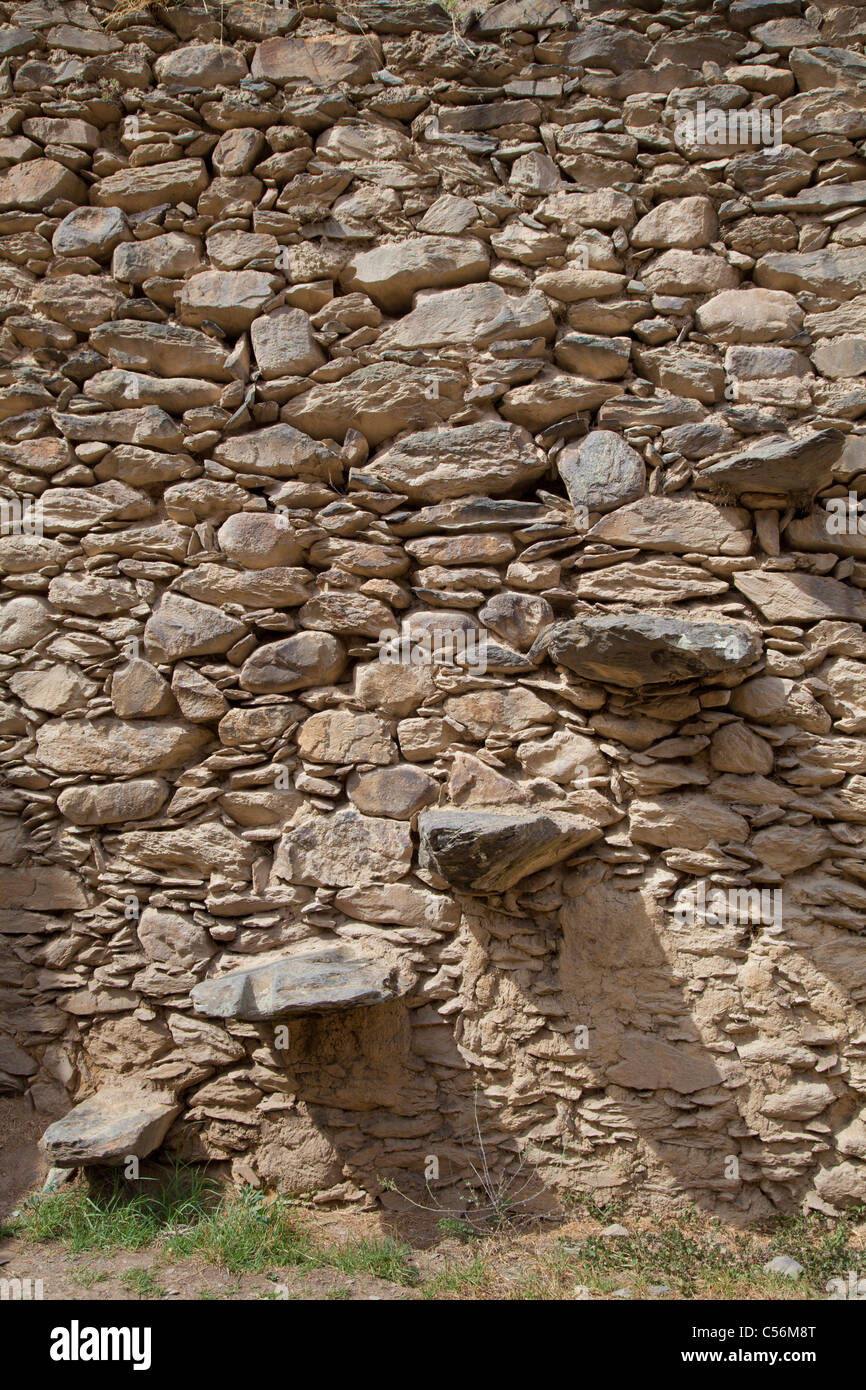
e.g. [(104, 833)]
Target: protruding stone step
[(109, 1127), (319, 982), (793, 467), (489, 851), (647, 649)]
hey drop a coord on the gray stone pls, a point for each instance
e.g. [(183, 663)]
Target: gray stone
[(647, 649), (109, 1127), (797, 467), (319, 982), (602, 471), (489, 851)]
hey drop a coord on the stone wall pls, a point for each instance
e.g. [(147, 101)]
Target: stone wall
[(536, 337)]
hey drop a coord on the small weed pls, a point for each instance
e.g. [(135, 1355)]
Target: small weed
[(143, 1283), (88, 1277), (384, 1259)]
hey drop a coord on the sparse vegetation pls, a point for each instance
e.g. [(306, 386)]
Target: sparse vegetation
[(182, 1215)]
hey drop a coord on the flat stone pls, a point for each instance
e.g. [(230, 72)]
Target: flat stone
[(23, 622), (91, 232), (685, 820), (401, 904), (648, 582), (181, 627), (57, 689), (488, 852), (392, 272), (206, 846), (138, 691), (280, 451), (136, 189), (378, 400), (396, 792), (198, 699), (434, 465), (643, 649), (650, 1064), (117, 748), (684, 222), (109, 1127), (259, 724), (294, 663), (279, 586), (229, 298), (517, 618), (37, 183), (482, 712), (841, 357), (783, 597), (175, 394), (479, 314), (108, 803), (836, 272), (200, 65), (317, 982), (347, 613), (173, 939), (679, 525), (343, 849), (258, 540), (164, 348), (554, 396), (283, 343), (324, 60), (750, 316), (594, 355), (797, 467), (173, 254), (689, 272), (344, 736)]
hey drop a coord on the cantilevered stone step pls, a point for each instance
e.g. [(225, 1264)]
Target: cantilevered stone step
[(489, 851), (109, 1127), (317, 983)]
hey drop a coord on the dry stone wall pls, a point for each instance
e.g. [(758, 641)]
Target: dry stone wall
[(432, 638)]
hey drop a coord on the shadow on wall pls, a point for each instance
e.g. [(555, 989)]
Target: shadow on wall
[(590, 1052)]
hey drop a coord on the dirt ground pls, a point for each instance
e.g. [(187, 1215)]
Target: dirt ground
[(570, 1256)]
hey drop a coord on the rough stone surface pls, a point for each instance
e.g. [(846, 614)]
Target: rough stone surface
[(109, 1127), (488, 851), (320, 982), (640, 649), (416, 420)]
